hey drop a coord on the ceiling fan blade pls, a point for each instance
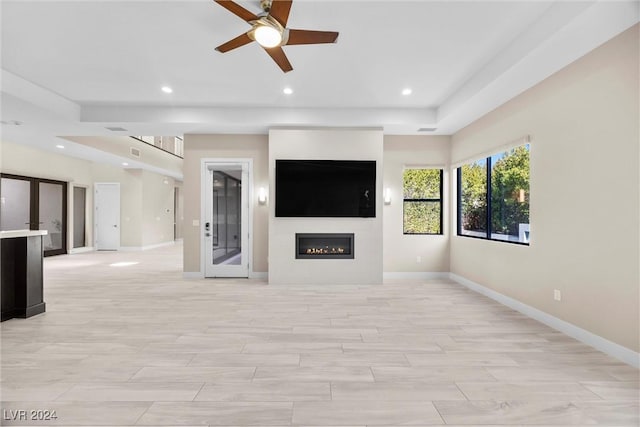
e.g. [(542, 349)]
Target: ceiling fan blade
[(241, 40), (277, 54), (237, 10), (311, 37), (280, 11)]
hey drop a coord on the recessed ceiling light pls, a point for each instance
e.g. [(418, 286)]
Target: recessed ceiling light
[(287, 91), (167, 89), (125, 164), (60, 146), (406, 91)]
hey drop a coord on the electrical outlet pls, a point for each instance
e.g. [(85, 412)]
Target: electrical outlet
[(418, 259), (557, 295), (196, 223)]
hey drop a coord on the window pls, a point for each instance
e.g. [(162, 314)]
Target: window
[(422, 194), (493, 197)]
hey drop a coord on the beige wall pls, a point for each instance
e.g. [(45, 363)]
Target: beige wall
[(400, 251), (157, 208), (22, 160), (584, 125), (198, 147)]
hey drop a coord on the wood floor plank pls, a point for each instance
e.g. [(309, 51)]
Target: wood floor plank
[(141, 345), (218, 414), (370, 413), (513, 412)]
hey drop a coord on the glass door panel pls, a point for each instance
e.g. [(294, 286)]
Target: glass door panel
[(52, 216), (226, 206), (15, 204), (226, 222)]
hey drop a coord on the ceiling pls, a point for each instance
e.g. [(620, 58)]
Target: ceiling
[(77, 67)]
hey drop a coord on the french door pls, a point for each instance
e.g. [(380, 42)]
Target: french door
[(35, 204), (226, 219)]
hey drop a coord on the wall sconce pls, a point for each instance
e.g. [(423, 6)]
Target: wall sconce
[(387, 196), (262, 196)]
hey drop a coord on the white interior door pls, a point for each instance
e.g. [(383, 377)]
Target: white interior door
[(107, 216), (226, 219)]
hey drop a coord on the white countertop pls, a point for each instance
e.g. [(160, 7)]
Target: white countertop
[(10, 234)]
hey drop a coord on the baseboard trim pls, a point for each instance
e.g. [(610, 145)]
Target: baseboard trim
[(413, 275), (622, 353), (146, 248), (192, 275), (81, 250), (263, 275)]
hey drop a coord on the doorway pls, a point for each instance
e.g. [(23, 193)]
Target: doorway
[(226, 228), (176, 206), (79, 217), (35, 204), (107, 216)]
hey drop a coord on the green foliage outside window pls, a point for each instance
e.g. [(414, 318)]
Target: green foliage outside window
[(474, 196), (509, 193), (422, 194)]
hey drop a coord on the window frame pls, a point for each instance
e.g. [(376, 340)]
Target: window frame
[(489, 204), (428, 200)]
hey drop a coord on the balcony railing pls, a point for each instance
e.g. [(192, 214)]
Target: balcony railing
[(173, 145)]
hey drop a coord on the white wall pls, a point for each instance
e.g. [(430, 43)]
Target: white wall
[(400, 251), (584, 125), (325, 144)]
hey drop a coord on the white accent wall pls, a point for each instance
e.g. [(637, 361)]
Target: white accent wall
[(325, 144)]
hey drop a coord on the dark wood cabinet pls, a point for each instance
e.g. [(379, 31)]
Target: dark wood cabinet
[(22, 279)]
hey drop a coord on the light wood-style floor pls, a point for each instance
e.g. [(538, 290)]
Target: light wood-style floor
[(140, 345)]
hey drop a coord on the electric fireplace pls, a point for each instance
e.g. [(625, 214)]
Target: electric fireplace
[(324, 246)]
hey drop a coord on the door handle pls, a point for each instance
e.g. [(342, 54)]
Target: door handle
[(207, 234), (115, 225)]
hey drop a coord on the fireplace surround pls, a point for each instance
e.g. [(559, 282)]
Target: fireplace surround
[(324, 246)]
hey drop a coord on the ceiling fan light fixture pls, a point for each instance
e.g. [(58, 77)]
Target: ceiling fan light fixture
[(267, 36)]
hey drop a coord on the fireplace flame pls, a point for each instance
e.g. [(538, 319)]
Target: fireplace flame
[(325, 251)]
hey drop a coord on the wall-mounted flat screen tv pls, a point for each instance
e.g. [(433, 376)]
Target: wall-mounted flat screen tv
[(326, 188)]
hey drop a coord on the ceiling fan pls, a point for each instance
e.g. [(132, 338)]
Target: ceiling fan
[(270, 30)]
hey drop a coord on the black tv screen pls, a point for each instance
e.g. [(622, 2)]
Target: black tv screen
[(326, 188)]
